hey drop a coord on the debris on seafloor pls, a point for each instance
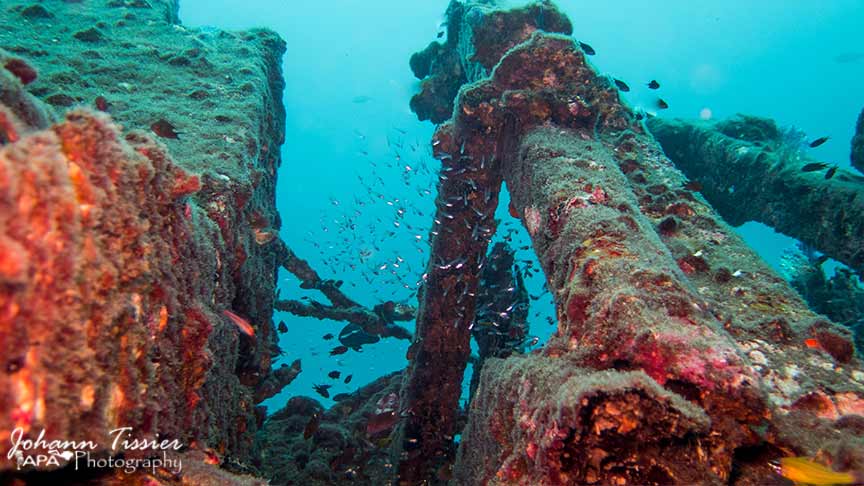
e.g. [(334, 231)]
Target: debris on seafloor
[(346, 445), (366, 325), (754, 176)]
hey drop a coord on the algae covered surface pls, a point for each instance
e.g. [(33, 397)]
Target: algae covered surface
[(125, 245)]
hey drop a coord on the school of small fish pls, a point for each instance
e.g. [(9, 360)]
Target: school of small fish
[(378, 241)]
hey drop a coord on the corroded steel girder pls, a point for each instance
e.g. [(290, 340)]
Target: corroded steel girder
[(752, 181)]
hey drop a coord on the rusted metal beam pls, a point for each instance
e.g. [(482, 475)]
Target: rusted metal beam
[(752, 180), (464, 222)]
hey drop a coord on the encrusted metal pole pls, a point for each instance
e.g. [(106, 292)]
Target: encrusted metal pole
[(501, 321), (752, 179), (467, 197)]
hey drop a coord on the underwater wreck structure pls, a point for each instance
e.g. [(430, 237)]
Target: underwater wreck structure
[(679, 357), (127, 274), (746, 175)]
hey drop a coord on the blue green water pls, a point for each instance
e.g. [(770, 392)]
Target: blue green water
[(800, 62)]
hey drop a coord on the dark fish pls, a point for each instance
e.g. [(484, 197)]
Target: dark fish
[(338, 350), (322, 390), (312, 425), (101, 103), (819, 141), (588, 49), (621, 85), (662, 104), (282, 327), (412, 350), (348, 379), (327, 337), (653, 84), (440, 34), (334, 374), (814, 166), (695, 186), (831, 172), (355, 337), (164, 129)]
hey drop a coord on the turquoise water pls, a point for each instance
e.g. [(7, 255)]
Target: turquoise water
[(347, 90)]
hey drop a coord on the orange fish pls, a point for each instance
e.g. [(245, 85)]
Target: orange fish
[(211, 457), (801, 470), (241, 323), (812, 343)]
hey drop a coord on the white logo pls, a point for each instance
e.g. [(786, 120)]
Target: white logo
[(150, 454)]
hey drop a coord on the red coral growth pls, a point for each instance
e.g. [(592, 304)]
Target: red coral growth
[(185, 184), (598, 196), (577, 308), (818, 404), (13, 262), (693, 264), (95, 258), (681, 210), (23, 71), (840, 348), (10, 128)]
